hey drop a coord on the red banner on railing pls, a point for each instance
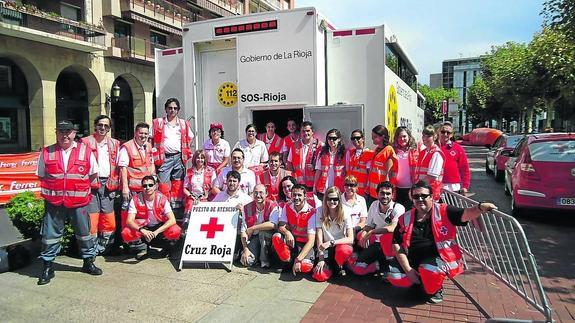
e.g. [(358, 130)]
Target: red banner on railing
[(18, 174)]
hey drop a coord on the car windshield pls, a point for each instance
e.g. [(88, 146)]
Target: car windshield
[(512, 141), (562, 151)]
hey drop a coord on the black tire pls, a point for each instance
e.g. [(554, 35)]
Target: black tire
[(506, 189), (499, 176), (487, 170), (515, 211)]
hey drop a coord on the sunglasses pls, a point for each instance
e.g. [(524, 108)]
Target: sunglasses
[(148, 185), (445, 132), (332, 138), (355, 138), (101, 125), (420, 196), (350, 185), (333, 199)]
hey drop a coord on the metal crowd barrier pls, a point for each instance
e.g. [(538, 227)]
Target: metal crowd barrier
[(497, 241)]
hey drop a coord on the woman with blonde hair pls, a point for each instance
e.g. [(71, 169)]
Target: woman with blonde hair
[(199, 178), (334, 236)]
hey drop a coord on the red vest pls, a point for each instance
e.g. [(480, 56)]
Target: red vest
[(423, 167), (266, 179), (158, 209), (378, 171), (297, 222), (140, 165), (338, 169), (305, 176), (275, 145), (208, 172), (444, 234), (251, 214), (288, 142), (113, 147), (67, 185), (158, 138), (358, 167)]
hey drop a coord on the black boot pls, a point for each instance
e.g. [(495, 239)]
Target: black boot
[(90, 268), (47, 273)]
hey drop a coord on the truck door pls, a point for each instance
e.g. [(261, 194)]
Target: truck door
[(169, 74), (345, 118), (219, 81)]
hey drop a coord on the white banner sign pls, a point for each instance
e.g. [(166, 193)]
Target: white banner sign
[(211, 234)]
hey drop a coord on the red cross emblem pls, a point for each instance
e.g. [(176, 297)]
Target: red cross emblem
[(211, 228), (444, 231)]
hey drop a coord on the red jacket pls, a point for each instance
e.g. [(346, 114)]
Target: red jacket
[(158, 210), (455, 165), (158, 138), (297, 222)]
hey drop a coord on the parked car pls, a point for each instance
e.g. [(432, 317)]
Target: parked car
[(495, 160), (540, 173)]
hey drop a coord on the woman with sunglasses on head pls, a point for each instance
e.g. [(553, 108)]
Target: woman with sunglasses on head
[(383, 165), (217, 149), (334, 236), (330, 164), (354, 204), (255, 151), (456, 176), (407, 153), (430, 162), (358, 160)]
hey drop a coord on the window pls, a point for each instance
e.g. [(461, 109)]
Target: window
[(562, 151), (70, 12), (157, 38), (391, 59), (5, 78), (121, 29)]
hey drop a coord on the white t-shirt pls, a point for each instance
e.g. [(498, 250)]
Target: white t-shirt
[(238, 197), (311, 222), (435, 164), (195, 183), (173, 136), (150, 207), (247, 182), (304, 150), (216, 153), (254, 154), (103, 159), (330, 173), (404, 171), (260, 219), (40, 171), (334, 232), (377, 220), (357, 210)]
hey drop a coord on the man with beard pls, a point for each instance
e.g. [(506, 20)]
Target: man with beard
[(425, 242), (302, 156), (248, 178), (272, 177)]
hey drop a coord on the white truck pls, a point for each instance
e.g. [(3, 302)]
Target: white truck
[(291, 64)]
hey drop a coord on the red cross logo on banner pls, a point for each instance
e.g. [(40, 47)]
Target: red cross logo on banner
[(211, 228)]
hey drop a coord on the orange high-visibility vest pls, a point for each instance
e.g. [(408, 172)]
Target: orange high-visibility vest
[(338, 172), (158, 138), (358, 167), (444, 234), (297, 222), (275, 145), (158, 209), (378, 172), (266, 179), (66, 185), (140, 165), (305, 176), (113, 148), (423, 167)]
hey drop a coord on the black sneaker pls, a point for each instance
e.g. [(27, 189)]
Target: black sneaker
[(436, 298), (142, 254)]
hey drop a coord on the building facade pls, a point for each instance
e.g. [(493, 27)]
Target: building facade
[(76, 59), (460, 74)]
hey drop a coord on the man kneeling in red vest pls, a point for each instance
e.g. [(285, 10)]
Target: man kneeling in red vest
[(296, 237), (150, 220), (425, 242)]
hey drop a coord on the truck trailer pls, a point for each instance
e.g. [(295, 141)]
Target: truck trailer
[(291, 64)]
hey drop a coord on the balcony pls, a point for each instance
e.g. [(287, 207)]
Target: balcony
[(134, 49), (159, 10), (222, 8), (31, 23)]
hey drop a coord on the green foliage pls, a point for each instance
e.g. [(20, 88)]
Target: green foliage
[(26, 211), (560, 14), (433, 99)]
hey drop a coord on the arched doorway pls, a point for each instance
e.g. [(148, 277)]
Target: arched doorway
[(122, 111), (14, 108), (72, 100)]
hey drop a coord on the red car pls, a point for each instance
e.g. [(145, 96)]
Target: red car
[(540, 173), (496, 159)]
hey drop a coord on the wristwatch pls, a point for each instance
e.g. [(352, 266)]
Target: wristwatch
[(332, 243)]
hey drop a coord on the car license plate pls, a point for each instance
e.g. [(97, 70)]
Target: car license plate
[(569, 201)]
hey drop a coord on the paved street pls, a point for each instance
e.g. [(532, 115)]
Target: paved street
[(130, 291)]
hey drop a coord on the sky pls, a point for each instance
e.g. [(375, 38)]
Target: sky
[(432, 31)]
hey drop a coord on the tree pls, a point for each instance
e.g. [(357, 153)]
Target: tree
[(560, 14), (477, 95), (433, 100)]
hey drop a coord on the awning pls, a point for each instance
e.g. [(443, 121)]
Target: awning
[(152, 23)]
